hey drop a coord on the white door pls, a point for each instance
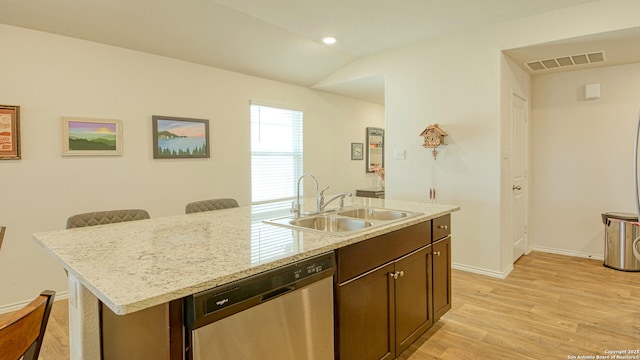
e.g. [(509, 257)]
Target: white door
[(519, 133)]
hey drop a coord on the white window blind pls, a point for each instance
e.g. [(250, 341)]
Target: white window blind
[(276, 165), (276, 155)]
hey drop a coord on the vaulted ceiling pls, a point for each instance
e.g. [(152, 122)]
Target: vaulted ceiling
[(272, 39)]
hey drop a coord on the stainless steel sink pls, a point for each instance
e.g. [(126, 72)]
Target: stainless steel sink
[(323, 223), (344, 222), (375, 214), (331, 223)]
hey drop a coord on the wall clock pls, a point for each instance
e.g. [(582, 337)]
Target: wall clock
[(434, 136)]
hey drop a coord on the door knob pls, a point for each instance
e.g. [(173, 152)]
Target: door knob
[(517, 187)]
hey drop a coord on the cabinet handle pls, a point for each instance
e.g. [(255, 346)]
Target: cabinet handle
[(397, 274), (436, 253), (401, 273), (443, 227)]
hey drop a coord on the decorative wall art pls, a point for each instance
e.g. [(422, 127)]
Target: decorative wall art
[(9, 132), (357, 151), (375, 149), (97, 137), (175, 137), (434, 136)]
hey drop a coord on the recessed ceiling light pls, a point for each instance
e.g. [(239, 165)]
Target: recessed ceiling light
[(329, 40)]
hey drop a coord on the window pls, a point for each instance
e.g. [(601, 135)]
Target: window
[(276, 165), (276, 156)]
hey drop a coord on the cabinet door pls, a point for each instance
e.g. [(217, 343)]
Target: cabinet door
[(441, 277), (413, 297), (364, 316)]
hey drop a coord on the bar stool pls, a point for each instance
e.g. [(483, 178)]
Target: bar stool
[(106, 217), (210, 205)]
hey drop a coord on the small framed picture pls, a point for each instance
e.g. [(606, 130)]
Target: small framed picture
[(356, 151), (97, 137), (175, 137), (9, 132)]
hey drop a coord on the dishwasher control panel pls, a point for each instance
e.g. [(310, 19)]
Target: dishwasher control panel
[(222, 301), (310, 270)]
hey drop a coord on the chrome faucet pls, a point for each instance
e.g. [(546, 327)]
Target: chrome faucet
[(295, 208), (322, 204), (320, 200)]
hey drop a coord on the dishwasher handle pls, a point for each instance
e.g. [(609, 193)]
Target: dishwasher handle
[(275, 293)]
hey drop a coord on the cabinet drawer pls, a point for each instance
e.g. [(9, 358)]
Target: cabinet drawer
[(441, 227), (358, 258)]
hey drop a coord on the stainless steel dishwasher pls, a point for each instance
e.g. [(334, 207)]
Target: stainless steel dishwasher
[(284, 313)]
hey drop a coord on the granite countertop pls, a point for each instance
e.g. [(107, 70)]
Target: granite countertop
[(135, 265)]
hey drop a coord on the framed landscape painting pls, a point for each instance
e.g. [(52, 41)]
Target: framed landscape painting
[(9, 132), (175, 137), (81, 136)]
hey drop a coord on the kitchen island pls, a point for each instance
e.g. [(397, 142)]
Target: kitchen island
[(135, 266)]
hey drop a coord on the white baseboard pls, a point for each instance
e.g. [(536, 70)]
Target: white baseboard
[(17, 306), (568, 253), (481, 271), (503, 275)]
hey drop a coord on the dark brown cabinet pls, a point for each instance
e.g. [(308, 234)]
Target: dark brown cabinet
[(441, 235), (441, 227), (413, 293), (390, 289), (383, 311), (383, 294), (365, 316), (441, 277)]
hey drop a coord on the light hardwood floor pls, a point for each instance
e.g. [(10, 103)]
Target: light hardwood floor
[(550, 307)]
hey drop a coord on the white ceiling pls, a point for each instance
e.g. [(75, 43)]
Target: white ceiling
[(273, 39), (365, 27)]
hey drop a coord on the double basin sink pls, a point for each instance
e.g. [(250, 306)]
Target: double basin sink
[(345, 221)]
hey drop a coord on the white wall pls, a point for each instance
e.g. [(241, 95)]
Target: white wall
[(457, 81), (51, 76), (582, 165)]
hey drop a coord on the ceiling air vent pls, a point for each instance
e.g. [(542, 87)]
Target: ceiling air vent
[(565, 61)]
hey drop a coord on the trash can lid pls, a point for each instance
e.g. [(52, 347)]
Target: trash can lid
[(619, 216)]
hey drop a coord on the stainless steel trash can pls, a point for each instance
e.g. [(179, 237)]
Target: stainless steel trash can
[(620, 231)]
